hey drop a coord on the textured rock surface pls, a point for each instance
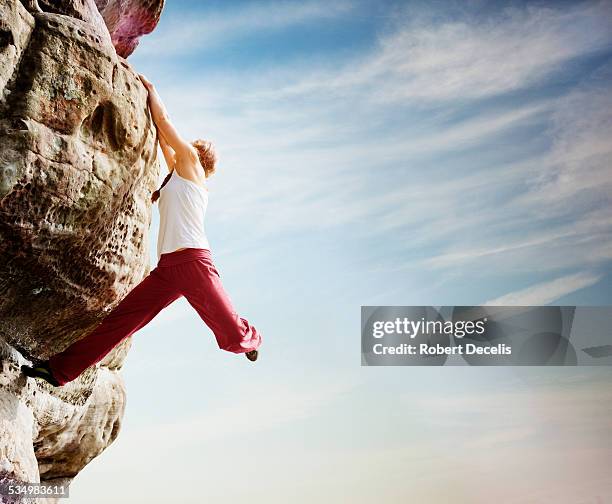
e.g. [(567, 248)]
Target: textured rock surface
[(50, 437), (77, 167), (127, 20)]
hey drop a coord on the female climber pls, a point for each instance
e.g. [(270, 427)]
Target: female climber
[(185, 266)]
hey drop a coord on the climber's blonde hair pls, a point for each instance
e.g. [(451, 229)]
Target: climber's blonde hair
[(207, 155)]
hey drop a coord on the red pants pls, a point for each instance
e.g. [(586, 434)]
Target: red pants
[(189, 272)]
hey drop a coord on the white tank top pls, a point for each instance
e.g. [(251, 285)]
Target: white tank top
[(182, 207)]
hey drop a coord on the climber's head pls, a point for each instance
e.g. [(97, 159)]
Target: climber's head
[(206, 153)]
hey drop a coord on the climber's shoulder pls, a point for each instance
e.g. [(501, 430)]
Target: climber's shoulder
[(187, 153)]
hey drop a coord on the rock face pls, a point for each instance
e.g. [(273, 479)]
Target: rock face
[(127, 20), (77, 168)]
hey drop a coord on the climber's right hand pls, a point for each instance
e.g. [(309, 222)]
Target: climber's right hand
[(146, 82)]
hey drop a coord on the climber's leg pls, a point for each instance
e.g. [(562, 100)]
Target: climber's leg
[(134, 311), (201, 285)]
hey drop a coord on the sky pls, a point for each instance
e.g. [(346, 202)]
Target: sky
[(377, 153)]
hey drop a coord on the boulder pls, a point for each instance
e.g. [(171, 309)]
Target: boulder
[(77, 168)]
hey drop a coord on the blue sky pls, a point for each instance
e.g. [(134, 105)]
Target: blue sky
[(370, 153)]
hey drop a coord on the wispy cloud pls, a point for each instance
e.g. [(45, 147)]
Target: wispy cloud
[(547, 292), (561, 214), (471, 58), (577, 171)]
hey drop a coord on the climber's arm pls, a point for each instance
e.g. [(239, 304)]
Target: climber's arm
[(161, 119), (167, 151)]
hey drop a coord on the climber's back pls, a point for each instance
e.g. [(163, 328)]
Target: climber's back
[(182, 208)]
